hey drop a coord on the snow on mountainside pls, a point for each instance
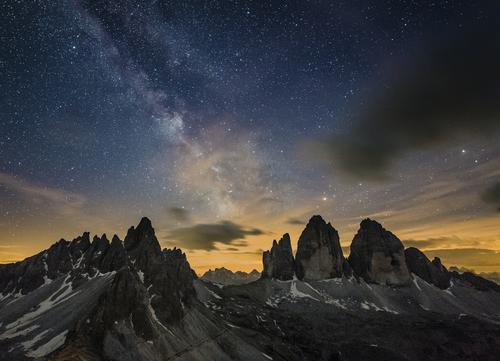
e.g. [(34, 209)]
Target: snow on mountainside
[(131, 300), (98, 300)]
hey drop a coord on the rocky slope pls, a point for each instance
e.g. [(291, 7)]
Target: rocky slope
[(396, 305), (115, 300), (432, 272), (131, 300), (225, 277)]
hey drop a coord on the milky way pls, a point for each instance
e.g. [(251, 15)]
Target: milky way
[(213, 115)]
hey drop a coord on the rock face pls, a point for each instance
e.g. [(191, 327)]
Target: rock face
[(166, 273), (227, 277), (319, 254), (378, 256), (278, 262), (432, 272), (133, 283)]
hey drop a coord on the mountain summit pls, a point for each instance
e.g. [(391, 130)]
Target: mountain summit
[(132, 300), (378, 256), (319, 255), (102, 300)]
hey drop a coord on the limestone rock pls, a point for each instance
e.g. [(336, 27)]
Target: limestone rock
[(432, 272), (227, 277), (378, 256), (319, 254), (278, 262)]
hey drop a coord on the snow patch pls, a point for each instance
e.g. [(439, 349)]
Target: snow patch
[(295, 293), (64, 293), (52, 345), (155, 317), (213, 294), (372, 306), (141, 275), (15, 332), (27, 345), (416, 283)]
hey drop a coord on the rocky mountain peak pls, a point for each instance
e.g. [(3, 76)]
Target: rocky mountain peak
[(432, 272), (378, 256), (278, 262), (319, 254), (224, 276), (437, 262), (115, 239), (142, 245), (80, 244)]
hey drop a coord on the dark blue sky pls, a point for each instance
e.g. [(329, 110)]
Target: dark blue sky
[(136, 108)]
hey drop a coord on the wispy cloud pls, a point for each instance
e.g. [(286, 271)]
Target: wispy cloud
[(65, 203)]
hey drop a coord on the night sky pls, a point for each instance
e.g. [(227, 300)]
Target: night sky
[(229, 123)]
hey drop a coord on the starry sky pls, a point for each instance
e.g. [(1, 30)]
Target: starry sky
[(229, 123)]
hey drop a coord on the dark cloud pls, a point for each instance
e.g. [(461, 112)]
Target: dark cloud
[(295, 221), (449, 90), (180, 214), (204, 236), (492, 195)]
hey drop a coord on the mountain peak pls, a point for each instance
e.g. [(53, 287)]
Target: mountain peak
[(278, 262), (372, 225), (227, 277), (378, 256), (145, 224), (316, 220), (143, 234), (432, 272), (319, 255)]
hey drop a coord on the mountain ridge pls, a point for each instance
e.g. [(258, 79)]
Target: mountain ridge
[(132, 300)]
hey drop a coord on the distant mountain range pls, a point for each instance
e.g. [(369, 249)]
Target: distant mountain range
[(130, 300), (225, 277)]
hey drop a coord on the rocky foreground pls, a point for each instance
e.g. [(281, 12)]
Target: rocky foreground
[(131, 300)]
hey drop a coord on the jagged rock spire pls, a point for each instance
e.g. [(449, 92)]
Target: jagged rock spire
[(378, 256), (433, 272), (278, 262), (319, 254)]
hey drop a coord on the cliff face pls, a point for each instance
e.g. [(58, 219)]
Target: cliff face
[(378, 256), (278, 263), (131, 300), (433, 272), (88, 289), (319, 254)]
